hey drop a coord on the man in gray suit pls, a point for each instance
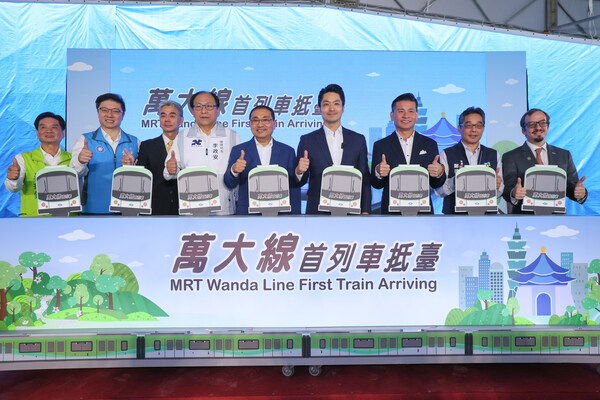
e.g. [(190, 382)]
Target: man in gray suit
[(534, 125)]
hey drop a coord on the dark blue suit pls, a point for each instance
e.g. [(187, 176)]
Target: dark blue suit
[(281, 154), (354, 154), (517, 161), (423, 153)]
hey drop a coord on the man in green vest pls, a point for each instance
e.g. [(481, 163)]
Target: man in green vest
[(50, 130)]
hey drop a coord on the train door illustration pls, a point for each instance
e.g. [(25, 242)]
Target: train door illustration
[(546, 187), (268, 190), (131, 192), (475, 190), (409, 190), (341, 188), (198, 191), (57, 191)]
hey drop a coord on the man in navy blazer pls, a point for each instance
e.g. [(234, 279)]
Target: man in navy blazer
[(152, 155), (260, 150), (402, 145), (535, 150), (330, 145)]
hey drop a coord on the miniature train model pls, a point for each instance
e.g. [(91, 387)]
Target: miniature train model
[(290, 346)]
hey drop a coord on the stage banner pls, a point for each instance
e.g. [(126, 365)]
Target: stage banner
[(282, 272)]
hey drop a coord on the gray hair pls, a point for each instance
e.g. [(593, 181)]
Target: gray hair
[(172, 104)]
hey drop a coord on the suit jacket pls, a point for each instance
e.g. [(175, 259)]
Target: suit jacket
[(517, 161), (281, 154), (354, 154), (152, 155), (423, 153)]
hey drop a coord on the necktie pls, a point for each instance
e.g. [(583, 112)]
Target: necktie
[(169, 144), (538, 156)]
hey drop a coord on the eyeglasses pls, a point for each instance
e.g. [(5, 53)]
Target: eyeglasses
[(259, 121), (468, 125), (110, 110), (208, 107), (543, 123)]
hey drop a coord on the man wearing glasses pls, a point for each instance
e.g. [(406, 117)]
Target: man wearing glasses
[(260, 150), (97, 154), (468, 151), (206, 144), (535, 150)]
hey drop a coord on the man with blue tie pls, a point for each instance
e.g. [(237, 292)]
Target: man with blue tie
[(260, 150), (330, 145), (535, 150), (404, 146)]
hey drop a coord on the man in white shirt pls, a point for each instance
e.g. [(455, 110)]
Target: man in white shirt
[(206, 144), (330, 145), (262, 149)]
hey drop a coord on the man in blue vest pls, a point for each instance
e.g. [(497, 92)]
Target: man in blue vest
[(97, 154), (50, 130), (468, 151)]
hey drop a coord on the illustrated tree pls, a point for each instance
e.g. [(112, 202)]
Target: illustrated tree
[(60, 286), (31, 301), (109, 284), (570, 310), (512, 305), (485, 295), (101, 265), (594, 268), (14, 307), (33, 261), (98, 299), (9, 279), (82, 294), (586, 316)]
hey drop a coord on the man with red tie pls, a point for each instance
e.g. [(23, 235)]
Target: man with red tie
[(535, 150)]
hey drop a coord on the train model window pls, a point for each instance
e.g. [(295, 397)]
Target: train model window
[(248, 344), (157, 345), (169, 344), (228, 344), (344, 343), (334, 343), (277, 344), (81, 346), (219, 344), (30, 347), (102, 345), (178, 345), (544, 341), (322, 343), (60, 347), (440, 342), (554, 341), (431, 342), (484, 341), (111, 345), (383, 343), (364, 343), (267, 344), (573, 341), (199, 344), (290, 343), (452, 342), (50, 347), (392, 343), (528, 341), (594, 341)]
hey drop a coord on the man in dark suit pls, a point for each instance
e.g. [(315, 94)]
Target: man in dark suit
[(152, 155), (260, 150), (402, 145), (535, 150), (330, 145)]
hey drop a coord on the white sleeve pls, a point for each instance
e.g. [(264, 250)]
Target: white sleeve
[(17, 184), (500, 190), (80, 168)]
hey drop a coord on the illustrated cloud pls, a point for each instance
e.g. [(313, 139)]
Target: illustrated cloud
[(68, 259), (507, 105), (373, 74), (511, 81), (530, 228), (249, 68), (80, 67), (560, 231), (505, 239), (127, 70), (449, 89), (77, 234), (135, 264)]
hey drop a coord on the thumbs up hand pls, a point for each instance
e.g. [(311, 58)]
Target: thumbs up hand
[(519, 191), (303, 164), (240, 164), (172, 164), (580, 191), (13, 171), (127, 158), (435, 169), (86, 154), (383, 168), (498, 179)]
